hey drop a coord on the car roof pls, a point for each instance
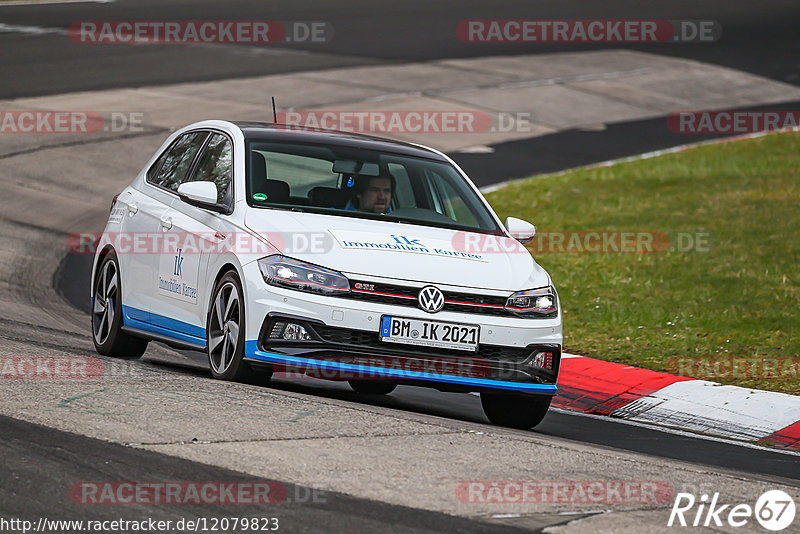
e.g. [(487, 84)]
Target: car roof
[(262, 131)]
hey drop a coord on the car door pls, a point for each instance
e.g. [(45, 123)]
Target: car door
[(132, 222), (183, 264), (147, 207)]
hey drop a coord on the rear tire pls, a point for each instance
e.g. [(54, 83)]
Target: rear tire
[(225, 329), (515, 411), (372, 387), (107, 334)]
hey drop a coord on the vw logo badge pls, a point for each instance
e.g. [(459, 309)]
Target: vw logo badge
[(431, 299)]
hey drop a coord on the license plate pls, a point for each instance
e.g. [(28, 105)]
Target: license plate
[(430, 333)]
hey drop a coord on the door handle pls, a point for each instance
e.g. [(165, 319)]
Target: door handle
[(166, 223), (133, 208)]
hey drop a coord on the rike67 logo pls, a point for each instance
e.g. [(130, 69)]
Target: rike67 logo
[(774, 510)]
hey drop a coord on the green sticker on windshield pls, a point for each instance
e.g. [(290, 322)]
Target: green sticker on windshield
[(260, 197)]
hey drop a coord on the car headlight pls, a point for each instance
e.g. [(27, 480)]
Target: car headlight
[(286, 272), (541, 302)]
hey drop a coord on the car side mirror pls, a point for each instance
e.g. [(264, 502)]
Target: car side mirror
[(522, 231), (200, 194)]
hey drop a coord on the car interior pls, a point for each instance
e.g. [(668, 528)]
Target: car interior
[(279, 191), (324, 180)]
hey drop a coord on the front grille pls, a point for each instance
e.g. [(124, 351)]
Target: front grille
[(407, 296), (364, 339)]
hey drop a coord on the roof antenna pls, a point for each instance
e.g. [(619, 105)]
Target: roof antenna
[(274, 112)]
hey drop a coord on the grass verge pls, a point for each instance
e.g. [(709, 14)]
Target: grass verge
[(717, 298)]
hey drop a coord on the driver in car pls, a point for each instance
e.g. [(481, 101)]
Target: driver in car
[(373, 194)]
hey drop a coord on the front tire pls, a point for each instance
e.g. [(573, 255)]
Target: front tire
[(226, 329), (515, 411), (372, 387), (109, 339)]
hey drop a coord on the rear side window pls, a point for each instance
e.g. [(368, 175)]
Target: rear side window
[(216, 165), (171, 168)]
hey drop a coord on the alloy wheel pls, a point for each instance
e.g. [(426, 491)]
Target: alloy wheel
[(106, 293), (224, 328)]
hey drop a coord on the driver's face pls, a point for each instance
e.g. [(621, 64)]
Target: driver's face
[(377, 196)]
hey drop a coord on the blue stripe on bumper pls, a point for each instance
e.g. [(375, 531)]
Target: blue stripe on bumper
[(251, 351)]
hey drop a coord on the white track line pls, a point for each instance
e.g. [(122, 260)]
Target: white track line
[(676, 431), (711, 408), (45, 2), (30, 30)]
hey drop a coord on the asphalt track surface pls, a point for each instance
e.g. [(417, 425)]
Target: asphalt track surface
[(38, 462), (72, 281), (761, 39), (575, 147)]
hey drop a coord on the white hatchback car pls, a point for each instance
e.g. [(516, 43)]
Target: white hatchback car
[(327, 254)]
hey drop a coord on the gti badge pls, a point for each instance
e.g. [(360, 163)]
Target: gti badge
[(430, 299)]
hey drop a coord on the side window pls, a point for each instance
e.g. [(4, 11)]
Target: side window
[(216, 165), (447, 201), (454, 205), (171, 168), (404, 194)]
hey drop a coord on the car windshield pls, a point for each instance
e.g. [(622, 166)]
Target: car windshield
[(355, 182)]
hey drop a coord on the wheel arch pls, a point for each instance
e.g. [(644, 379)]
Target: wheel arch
[(224, 269), (98, 259)]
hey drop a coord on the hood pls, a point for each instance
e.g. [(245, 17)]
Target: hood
[(401, 251)]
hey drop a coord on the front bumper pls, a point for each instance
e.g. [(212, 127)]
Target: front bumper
[(345, 344)]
